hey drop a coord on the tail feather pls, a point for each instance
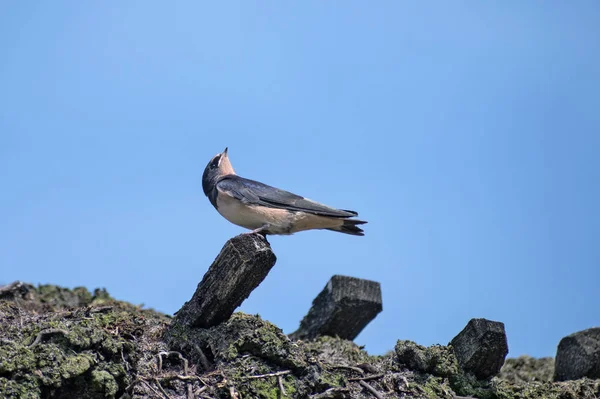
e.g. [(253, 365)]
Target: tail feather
[(352, 212), (350, 227)]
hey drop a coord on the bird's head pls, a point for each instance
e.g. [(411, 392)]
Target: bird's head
[(218, 166)]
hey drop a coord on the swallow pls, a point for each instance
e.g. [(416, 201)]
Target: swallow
[(269, 210)]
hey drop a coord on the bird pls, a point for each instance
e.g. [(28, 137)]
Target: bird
[(264, 209)]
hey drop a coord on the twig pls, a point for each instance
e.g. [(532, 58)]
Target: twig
[(367, 378), (203, 359), (330, 393), (233, 393), (100, 309), (7, 341), (404, 380), (445, 391), (268, 375), (20, 314), (213, 373), (357, 369), (170, 353), (133, 383), (161, 388), (367, 368), (128, 336), (125, 362), (370, 389), (280, 382), (181, 378), (48, 332), (151, 387), (188, 386)]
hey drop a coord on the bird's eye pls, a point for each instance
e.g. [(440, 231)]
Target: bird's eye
[(215, 162)]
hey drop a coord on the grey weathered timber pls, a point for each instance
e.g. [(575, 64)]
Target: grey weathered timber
[(481, 347), (344, 307), (578, 356), (240, 267)]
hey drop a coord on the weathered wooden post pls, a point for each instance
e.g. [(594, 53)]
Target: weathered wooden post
[(481, 347), (240, 267), (578, 356), (344, 307)]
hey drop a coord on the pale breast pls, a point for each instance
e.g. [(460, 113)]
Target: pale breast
[(253, 216)]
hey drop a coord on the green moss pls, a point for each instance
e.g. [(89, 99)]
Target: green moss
[(263, 388), (86, 334), (101, 297), (437, 360), (48, 355), (111, 347), (268, 388), (436, 387), (63, 297), (327, 379), (468, 385), (88, 361), (526, 368), (104, 382), (49, 293), (119, 374), (446, 376), (442, 361), (242, 334), (15, 357), (231, 352), (578, 389), (74, 366), (109, 319), (335, 350), (55, 367), (106, 348), (85, 297), (21, 388), (289, 383)]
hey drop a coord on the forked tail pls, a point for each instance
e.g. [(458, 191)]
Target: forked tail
[(350, 227)]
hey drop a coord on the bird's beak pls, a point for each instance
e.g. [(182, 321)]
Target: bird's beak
[(225, 151)]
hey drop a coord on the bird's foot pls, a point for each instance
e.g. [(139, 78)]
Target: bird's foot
[(261, 230)]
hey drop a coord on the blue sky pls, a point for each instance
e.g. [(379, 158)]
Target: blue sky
[(466, 133)]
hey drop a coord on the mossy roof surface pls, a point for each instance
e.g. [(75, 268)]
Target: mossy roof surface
[(72, 343)]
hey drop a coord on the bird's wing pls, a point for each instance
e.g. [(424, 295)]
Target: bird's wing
[(256, 193)]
